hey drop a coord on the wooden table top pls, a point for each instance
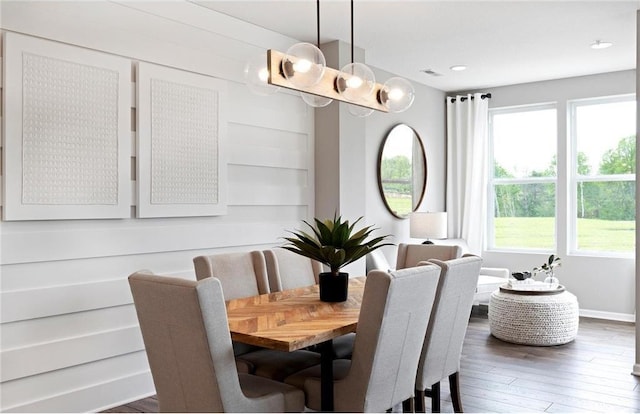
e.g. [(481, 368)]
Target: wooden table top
[(293, 319)]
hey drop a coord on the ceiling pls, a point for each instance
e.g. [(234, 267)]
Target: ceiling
[(501, 42)]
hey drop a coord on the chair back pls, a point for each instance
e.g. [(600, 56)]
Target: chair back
[(410, 254), (287, 270), (377, 261), (442, 347), (241, 274), (391, 327), (186, 336)]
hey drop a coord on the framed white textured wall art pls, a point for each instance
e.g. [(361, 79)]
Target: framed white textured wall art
[(67, 131), (181, 167)]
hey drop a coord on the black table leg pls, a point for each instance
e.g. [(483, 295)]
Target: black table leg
[(326, 375)]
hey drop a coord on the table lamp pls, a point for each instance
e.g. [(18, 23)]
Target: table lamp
[(428, 225)]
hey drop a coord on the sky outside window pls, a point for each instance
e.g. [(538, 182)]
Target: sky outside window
[(524, 142)]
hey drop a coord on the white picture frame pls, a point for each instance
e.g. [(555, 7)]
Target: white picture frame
[(66, 132), (181, 135)]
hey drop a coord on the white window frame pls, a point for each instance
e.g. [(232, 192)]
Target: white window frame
[(574, 178), (490, 233)]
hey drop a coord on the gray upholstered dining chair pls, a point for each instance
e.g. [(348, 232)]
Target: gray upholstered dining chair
[(391, 327), (186, 336), (287, 270), (241, 275), (410, 254), (440, 357)]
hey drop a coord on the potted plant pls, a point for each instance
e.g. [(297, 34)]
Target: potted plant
[(547, 268), (334, 243)]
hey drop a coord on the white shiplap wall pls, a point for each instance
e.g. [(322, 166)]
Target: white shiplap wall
[(69, 335)]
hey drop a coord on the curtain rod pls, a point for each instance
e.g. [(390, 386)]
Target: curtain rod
[(464, 98)]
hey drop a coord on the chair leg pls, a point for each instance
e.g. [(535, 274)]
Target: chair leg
[(454, 385), (435, 398), (407, 405), (419, 401)]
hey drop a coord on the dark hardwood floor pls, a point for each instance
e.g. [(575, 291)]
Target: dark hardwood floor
[(590, 374)]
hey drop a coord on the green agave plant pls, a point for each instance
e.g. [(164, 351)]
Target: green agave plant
[(334, 242)]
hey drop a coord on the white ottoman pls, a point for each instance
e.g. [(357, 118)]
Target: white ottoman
[(540, 318)]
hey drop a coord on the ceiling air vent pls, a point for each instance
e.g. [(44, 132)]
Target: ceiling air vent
[(431, 72)]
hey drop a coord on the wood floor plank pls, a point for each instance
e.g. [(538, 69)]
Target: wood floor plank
[(559, 408), (631, 399), (573, 398)]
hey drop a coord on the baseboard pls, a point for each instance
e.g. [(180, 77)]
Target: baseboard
[(612, 316)]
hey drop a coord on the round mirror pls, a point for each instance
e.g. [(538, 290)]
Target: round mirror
[(402, 170)]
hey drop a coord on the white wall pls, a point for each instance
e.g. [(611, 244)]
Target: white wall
[(604, 285), (427, 117), (69, 335)]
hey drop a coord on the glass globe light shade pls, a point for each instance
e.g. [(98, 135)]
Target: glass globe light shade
[(355, 81), (303, 65), (315, 100), (397, 94), (256, 75), (360, 111)]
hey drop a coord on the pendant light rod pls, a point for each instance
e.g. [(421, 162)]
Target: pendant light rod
[(351, 31), (318, 21)]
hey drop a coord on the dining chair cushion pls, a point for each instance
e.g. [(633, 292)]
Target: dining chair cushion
[(241, 274), (306, 378), (188, 345), (278, 365), (391, 327), (257, 387), (343, 346)]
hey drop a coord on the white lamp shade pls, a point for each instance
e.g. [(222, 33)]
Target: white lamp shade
[(428, 225)]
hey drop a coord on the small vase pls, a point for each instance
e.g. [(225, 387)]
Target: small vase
[(551, 280), (334, 288)]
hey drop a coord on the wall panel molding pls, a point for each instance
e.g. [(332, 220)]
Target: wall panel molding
[(53, 384), (36, 359), (20, 305), (128, 388), (64, 245)]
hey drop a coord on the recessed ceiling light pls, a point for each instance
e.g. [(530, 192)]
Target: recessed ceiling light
[(600, 44), (458, 68)]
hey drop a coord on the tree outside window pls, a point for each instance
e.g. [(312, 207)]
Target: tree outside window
[(523, 183), (603, 133)]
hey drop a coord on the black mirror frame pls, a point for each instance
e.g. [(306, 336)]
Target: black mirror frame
[(379, 173)]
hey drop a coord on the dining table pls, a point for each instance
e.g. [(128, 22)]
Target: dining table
[(294, 319)]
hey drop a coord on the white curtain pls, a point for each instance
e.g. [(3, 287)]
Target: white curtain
[(467, 165)]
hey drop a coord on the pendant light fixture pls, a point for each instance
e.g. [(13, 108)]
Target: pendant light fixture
[(356, 81), (256, 74), (316, 101), (303, 68)]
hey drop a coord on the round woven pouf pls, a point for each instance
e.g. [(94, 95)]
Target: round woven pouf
[(540, 319)]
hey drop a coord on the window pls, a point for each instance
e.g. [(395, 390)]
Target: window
[(603, 136), (522, 182)]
